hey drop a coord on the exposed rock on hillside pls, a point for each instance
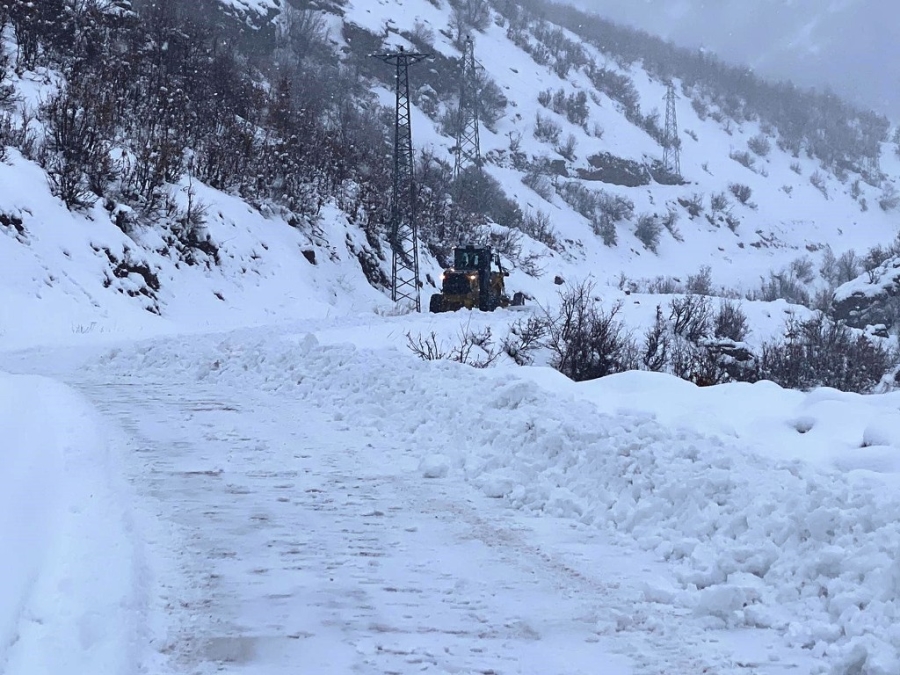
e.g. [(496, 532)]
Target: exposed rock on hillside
[(871, 298)]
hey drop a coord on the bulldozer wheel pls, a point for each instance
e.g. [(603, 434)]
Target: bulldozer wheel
[(436, 304)]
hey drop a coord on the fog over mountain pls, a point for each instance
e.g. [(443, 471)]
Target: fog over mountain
[(849, 45)]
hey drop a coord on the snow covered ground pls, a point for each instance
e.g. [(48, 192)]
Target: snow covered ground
[(302, 494), (254, 500), (70, 560)]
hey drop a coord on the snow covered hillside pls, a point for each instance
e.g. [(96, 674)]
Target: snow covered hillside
[(747, 208)]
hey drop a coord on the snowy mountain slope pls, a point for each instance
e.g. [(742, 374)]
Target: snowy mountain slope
[(783, 226), (785, 217)]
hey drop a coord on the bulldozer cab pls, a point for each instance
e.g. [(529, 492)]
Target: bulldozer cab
[(471, 258)]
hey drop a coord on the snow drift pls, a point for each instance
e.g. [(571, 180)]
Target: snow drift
[(757, 541)]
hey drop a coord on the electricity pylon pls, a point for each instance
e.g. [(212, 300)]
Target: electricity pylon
[(671, 142), (404, 237), (468, 143)]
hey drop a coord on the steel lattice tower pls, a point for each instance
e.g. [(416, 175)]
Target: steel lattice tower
[(404, 235), (468, 143), (671, 143)]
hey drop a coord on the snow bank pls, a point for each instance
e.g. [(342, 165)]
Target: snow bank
[(846, 431), (30, 485), (756, 541), (68, 601)]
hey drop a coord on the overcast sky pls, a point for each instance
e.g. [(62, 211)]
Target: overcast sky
[(851, 45)]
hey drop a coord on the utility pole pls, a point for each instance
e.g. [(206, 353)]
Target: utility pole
[(468, 143), (671, 142), (404, 237)]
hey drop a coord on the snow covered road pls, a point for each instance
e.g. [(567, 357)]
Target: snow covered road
[(297, 507), (291, 544)]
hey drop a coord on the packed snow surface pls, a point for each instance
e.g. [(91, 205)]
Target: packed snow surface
[(292, 495)]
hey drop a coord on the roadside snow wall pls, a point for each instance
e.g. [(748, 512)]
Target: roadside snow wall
[(67, 583)]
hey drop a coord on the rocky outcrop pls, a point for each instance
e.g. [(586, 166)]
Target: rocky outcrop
[(871, 299), (607, 168)]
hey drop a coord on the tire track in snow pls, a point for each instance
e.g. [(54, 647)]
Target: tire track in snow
[(281, 538)]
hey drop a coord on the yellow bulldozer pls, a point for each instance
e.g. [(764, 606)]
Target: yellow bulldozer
[(471, 283)]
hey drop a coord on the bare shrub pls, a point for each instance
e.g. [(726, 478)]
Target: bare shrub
[(567, 148), (691, 317), (537, 225), (840, 270), (615, 206), (796, 168), (731, 322), (669, 221), (576, 109), (760, 145), (546, 130), (648, 231), (586, 341), (701, 282), (693, 204), (821, 353), (423, 33), (782, 285), (741, 192), (664, 286), (302, 34), (540, 183), (473, 348), (695, 363), (74, 153), (426, 348), (743, 157), (657, 344), (718, 202), (697, 345), (584, 200), (877, 255), (889, 198), (525, 337), (849, 266), (605, 228), (700, 107), (802, 269), (19, 133), (817, 179)]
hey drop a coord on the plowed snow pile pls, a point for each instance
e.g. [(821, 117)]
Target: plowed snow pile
[(755, 541), (70, 579)]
